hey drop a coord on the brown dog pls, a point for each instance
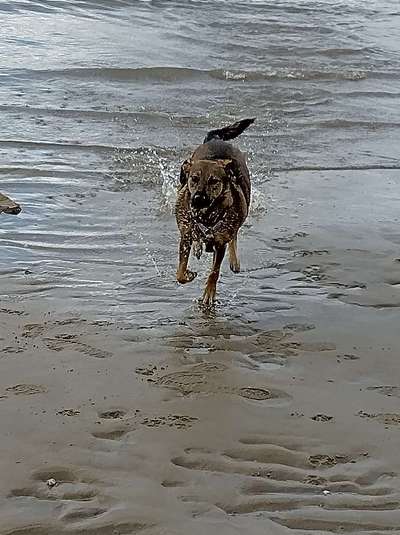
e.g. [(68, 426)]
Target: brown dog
[(212, 204)]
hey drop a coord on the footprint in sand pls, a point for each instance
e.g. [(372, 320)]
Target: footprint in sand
[(33, 330), (119, 424), (68, 412), (11, 312), (294, 487), (63, 341), (70, 485), (386, 418), (114, 434), (259, 394), (112, 414), (322, 418), (13, 349), (26, 389), (386, 390), (114, 424), (76, 497), (206, 378), (322, 460), (82, 513), (176, 421)]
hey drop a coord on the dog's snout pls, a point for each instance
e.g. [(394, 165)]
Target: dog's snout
[(199, 200)]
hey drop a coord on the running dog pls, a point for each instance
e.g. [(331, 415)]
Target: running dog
[(213, 203)]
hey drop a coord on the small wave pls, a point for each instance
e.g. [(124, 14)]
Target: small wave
[(83, 8), (346, 123), (289, 74), (344, 51), (149, 116), (369, 94), (184, 74), (64, 145), (319, 168), (140, 74)]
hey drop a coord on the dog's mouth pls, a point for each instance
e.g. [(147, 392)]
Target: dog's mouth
[(199, 201)]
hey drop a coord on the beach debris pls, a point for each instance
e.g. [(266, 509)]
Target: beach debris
[(51, 482), (326, 492), (8, 206)]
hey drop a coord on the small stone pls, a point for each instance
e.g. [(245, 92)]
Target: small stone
[(326, 492), (51, 483), (8, 206)]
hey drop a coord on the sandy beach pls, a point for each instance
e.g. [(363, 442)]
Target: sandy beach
[(124, 407), (217, 422)]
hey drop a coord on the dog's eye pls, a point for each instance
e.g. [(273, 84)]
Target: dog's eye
[(213, 180)]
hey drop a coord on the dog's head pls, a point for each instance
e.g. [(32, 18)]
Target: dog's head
[(206, 180)]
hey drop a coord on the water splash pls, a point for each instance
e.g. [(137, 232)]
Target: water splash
[(259, 202), (150, 255), (169, 185), (148, 167), (143, 165)]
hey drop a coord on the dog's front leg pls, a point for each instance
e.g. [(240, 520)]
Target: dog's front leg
[(183, 275), (211, 287), (234, 262)]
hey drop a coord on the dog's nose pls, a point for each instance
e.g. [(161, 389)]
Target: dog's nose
[(199, 200)]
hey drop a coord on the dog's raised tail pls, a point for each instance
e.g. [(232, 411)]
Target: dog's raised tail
[(229, 132)]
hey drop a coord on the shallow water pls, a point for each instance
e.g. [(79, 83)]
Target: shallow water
[(101, 102)]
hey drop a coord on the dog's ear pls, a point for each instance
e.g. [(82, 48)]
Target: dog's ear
[(185, 170)]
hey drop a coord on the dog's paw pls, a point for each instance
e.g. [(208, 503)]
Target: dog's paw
[(208, 297), (235, 266), (185, 277)]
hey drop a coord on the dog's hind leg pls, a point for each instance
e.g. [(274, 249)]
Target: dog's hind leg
[(211, 287), (234, 262), (183, 275)]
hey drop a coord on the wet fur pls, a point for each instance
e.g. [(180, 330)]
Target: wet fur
[(212, 204)]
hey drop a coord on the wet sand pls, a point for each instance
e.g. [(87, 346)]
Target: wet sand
[(285, 421), (277, 413)]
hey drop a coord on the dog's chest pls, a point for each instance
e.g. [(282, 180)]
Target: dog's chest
[(202, 225), (207, 217)]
